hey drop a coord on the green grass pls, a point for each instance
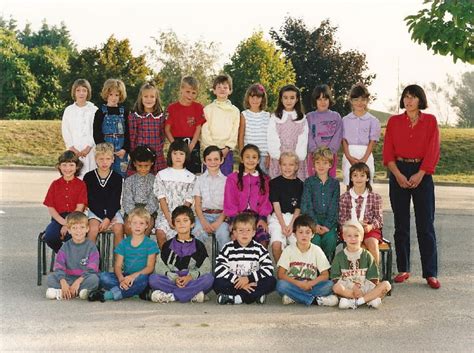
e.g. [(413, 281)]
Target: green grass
[(39, 143)]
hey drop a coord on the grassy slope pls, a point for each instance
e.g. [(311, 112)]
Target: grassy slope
[(38, 143)]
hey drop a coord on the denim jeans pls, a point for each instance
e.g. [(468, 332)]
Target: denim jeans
[(222, 233), (52, 234), (109, 281), (321, 289)]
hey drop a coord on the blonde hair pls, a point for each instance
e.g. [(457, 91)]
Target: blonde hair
[(104, 148), (290, 154), (323, 152), (190, 81), (81, 82), (355, 225), (113, 84), (75, 218), (140, 212), (139, 108)]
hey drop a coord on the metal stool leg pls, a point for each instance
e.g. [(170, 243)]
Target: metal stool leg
[(214, 252), (53, 257), (39, 269), (43, 243)]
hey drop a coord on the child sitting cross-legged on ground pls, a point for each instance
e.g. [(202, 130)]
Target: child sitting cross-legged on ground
[(355, 272), (77, 263), (244, 270), (303, 269), (135, 258), (183, 270)]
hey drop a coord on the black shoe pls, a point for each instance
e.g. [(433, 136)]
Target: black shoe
[(96, 295), (146, 294)]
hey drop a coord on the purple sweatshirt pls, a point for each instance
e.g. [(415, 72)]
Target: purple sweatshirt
[(325, 129), (76, 259)]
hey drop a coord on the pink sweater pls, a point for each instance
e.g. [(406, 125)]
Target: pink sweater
[(237, 201)]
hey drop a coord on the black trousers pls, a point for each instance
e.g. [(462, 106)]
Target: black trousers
[(264, 286)]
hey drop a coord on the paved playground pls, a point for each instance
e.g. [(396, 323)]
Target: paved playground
[(414, 318)]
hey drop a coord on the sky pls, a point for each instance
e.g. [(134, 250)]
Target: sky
[(373, 27)]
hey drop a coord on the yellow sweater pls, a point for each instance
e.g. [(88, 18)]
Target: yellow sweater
[(222, 125)]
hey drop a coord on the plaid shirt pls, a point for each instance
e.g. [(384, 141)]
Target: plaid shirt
[(373, 209), (150, 131), (321, 201)]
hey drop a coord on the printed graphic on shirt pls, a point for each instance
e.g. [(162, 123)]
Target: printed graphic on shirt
[(243, 268), (84, 261), (302, 270), (354, 273), (326, 130), (191, 120)]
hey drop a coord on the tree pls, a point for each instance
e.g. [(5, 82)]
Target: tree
[(318, 58), (258, 60), (463, 100), (113, 60), (53, 37), (446, 28), (18, 86), (175, 58)]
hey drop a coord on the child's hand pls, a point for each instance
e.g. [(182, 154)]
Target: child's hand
[(356, 291), (241, 282), (324, 230), (74, 288), (319, 230), (127, 282), (86, 151), (63, 232), (263, 224), (249, 287), (65, 290), (191, 146), (305, 285), (207, 226), (367, 227), (120, 153), (352, 160), (104, 225), (288, 231), (181, 282), (215, 225), (225, 151)]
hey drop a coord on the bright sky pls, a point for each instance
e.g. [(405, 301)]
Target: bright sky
[(374, 27)]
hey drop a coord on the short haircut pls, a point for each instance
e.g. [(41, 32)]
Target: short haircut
[(258, 90), (304, 221), (140, 212), (222, 78), (245, 218), (416, 91), (323, 152), (182, 210), (353, 224), (104, 148), (143, 153), (190, 81), (290, 154), (81, 82), (322, 90), (70, 157), (209, 149), (359, 90), (139, 108), (363, 168), (177, 145), (75, 218), (113, 84)]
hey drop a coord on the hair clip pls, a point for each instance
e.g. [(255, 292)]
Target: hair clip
[(261, 88)]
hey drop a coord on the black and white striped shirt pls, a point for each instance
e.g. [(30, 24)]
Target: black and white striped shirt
[(236, 261)]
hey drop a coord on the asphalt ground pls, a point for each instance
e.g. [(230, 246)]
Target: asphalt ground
[(415, 318)]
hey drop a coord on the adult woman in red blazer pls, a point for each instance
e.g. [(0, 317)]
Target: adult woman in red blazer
[(411, 153)]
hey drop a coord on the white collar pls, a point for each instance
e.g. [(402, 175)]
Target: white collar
[(354, 197), (148, 115), (255, 174)]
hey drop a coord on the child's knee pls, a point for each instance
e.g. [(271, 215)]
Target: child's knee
[(386, 286), (338, 288), (282, 286)]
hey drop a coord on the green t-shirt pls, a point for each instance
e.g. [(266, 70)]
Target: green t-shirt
[(354, 266)]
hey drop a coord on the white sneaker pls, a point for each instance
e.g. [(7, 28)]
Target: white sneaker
[(53, 293), (161, 297), (198, 298), (286, 300), (83, 294), (375, 303), (330, 300), (345, 303)]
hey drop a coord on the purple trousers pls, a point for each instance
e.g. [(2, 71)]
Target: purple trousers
[(183, 295)]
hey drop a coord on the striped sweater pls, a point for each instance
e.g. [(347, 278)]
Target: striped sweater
[(76, 259), (236, 261)]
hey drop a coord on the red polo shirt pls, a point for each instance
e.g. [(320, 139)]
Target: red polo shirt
[(64, 195), (420, 141)]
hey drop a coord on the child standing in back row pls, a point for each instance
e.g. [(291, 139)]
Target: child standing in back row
[(110, 123), (184, 121), (147, 124), (288, 131), (325, 127), (222, 126), (360, 133), (254, 123), (76, 125)]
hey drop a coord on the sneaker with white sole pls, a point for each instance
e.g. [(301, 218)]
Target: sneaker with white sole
[(198, 298), (83, 294), (161, 297), (53, 293), (286, 300), (228, 299), (261, 299), (375, 303), (330, 300), (345, 303)]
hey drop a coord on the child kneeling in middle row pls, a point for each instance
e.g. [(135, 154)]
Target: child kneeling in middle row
[(183, 271), (303, 269), (244, 270)]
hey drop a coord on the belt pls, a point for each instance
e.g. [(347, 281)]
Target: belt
[(409, 160), (113, 135), (212, 211)]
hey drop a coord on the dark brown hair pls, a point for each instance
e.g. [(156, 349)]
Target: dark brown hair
[(298, 106), (322, 90), (415, 91), (363, 168)]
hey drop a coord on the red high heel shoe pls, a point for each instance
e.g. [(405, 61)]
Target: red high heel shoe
[(401, 277), (433, 282)]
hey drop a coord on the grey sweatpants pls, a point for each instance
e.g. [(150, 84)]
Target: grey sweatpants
[(91, 281)]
